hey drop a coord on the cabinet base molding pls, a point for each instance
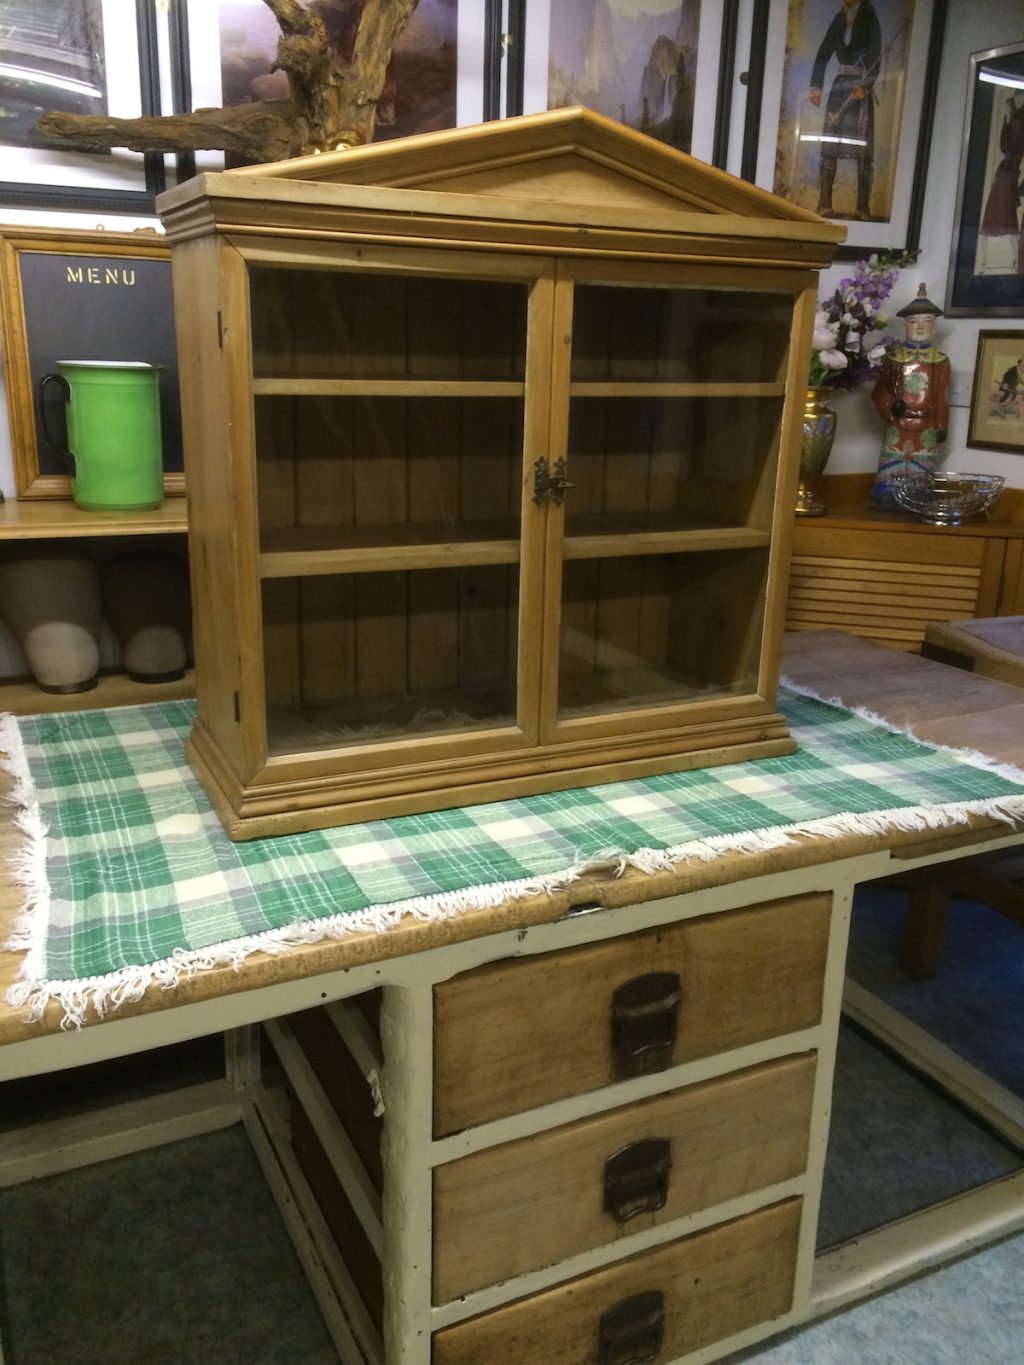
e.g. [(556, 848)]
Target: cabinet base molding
[(262, 809)]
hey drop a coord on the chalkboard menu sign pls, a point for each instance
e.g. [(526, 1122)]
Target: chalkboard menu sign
[(72, 299)]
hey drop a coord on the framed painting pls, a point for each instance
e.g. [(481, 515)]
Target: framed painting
[(986, 269), (78, 295), (997, 400), (434, 80), (83, 57), (653, 66), (849, 92)]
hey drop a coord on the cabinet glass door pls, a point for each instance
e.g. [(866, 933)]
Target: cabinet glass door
[(390, 412), (671, 443)]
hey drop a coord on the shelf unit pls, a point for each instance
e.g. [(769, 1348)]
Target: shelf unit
[(499, 506), (30, 526), (887, 575)]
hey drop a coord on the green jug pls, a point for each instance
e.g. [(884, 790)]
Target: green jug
[(113, 417)]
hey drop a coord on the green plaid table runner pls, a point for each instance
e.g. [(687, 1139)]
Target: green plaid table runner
[(139, 882)]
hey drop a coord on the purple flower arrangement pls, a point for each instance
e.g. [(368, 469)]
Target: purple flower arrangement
[(842, 355)]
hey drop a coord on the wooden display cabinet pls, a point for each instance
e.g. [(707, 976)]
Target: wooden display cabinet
[(490, 463)]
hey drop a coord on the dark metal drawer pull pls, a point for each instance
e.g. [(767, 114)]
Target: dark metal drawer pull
[(632, 1332), (636, 1178), (644, 1013)]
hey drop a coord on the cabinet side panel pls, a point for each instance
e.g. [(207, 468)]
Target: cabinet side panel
[(785, 490), (218, 610)]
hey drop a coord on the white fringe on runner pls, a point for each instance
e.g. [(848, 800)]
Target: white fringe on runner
[(973, 758), (105, 994)]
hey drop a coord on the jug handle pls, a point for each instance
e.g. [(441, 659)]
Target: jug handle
[(65, 393)]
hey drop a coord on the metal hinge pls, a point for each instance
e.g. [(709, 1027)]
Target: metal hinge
[(220, 329), (238, 709)]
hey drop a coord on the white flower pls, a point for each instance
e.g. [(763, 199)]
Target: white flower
[(876, 354), (824, 336), (853, 341), (833, 360)]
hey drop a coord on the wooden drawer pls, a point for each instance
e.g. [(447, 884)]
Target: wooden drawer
[(709, 1286), (514, 1035), (558, 1193)]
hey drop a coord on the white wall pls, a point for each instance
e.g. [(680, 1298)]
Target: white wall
[(971, 27)]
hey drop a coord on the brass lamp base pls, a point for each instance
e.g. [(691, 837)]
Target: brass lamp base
[(808, 504)]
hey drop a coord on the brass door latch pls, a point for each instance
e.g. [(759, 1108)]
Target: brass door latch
[(551, 481)]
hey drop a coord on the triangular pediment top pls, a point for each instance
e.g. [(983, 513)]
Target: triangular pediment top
[(565, 155)]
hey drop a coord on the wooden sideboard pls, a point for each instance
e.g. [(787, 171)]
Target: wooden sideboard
[(886, 575)]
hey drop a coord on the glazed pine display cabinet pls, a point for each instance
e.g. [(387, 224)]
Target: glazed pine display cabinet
[(491, 441)]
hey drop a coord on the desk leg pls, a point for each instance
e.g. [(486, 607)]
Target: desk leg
[(242, 1057), (924, 934), (407, 1088)]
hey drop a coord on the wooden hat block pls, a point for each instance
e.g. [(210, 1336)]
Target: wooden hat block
[(491, 446)]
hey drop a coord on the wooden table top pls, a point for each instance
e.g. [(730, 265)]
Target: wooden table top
[(942, 704)]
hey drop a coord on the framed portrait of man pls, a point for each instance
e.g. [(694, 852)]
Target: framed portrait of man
[(986, 272), (849, 88)]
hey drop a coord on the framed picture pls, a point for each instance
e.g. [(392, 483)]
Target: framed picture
[(997, 399), (77, 295), (986, 270), (82, 57), (642, 64), (848, 99), (434, 80)]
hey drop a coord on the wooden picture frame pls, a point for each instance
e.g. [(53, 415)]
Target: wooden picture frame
[(115, 71), (69, 294), (553, 27), (985, 277), (882, 211), (997, 397)]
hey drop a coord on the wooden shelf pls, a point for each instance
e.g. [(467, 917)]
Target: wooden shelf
[(300, 551), (51, 519), (375, 720), (639, 687), (642, 533), (858, 517), (644, 388), (24, 697), (281, 386)]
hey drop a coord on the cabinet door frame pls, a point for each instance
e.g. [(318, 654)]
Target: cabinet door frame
[(409, 750), (774, 498)]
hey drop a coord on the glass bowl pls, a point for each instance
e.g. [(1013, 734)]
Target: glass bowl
[(945, 499)]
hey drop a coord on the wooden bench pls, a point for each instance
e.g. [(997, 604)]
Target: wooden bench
[(994, 648)]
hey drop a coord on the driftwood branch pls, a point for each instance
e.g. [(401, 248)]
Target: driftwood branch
[(328, 108)]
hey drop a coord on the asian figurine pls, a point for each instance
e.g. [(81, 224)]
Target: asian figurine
[(911, 394)]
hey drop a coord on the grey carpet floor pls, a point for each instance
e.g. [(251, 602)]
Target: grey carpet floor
[(176, 1256), (179, 1257)]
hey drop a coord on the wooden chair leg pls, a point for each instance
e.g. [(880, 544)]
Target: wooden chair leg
[(924, 931)]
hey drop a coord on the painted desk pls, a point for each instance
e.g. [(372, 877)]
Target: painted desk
[(777, 919)]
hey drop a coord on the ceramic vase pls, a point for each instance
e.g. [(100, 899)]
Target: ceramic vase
[(819, 431), (145, 599), (52, 607)]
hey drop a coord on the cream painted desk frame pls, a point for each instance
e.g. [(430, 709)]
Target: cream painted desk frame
[(400, 1221)]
